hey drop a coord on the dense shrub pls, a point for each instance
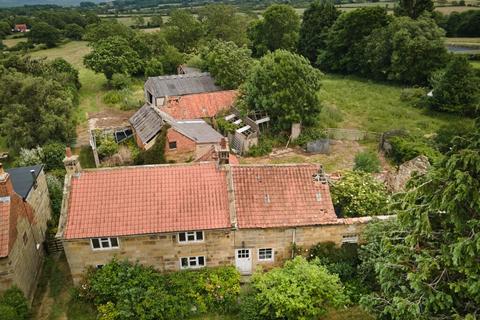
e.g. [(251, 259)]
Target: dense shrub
[(113, 97), (263, 148), (413, 96), (132, 291), (358, 194), (406, 148), (444, 140), (53, 153), (299, 290), (106, 146), (310, 134), (55, 191), (120, 81), (367, 161), (14, 305)]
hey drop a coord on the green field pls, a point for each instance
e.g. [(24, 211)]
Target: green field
[(93, 84), (373, 106), (13, 41)]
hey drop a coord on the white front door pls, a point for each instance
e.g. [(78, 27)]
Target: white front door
[(243, 261)]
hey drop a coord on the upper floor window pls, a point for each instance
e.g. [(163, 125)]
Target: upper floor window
[(192, 262), (104, 243), (172, 145), (350, 238), (265, 254), (190, 236)]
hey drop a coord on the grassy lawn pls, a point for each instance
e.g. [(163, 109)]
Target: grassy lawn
[(476, 64), (13, 41), (374, 106)]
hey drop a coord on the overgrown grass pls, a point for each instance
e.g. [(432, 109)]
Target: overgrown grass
[(374, 106), (86, 157), (13, 41), (54, 291)]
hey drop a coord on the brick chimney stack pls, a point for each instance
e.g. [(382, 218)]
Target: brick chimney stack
[(6, 186), (71, 162), (223, 151)]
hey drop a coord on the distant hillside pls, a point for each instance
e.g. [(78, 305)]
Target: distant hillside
[(21, 3)]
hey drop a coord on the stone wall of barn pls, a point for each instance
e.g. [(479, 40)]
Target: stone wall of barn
[(162, 251)]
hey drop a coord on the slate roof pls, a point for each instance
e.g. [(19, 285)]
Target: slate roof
[(4, 226), (171, 198), (179, 85), (200, 105), (269, 196), (22, 179), (147, 199), (146, 122), (197, 130)]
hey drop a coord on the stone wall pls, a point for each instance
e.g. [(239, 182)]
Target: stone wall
[(163, 251), (39, 200), (22, 266)]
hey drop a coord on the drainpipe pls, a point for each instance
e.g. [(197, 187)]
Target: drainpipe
[(294, 239)]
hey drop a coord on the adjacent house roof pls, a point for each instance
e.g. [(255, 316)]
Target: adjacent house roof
[(197, 130), (23, 180), (179, 85), (147, 199), (147, 123), (200, 105), (280, 196), (4, 226), (11, 208), (171, 198)]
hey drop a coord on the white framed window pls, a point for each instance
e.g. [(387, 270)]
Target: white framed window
[(192, 262), (265, 254), (350, 238), (104, 243), (190, 236)]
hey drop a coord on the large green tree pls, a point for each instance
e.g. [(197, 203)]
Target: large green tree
[(345, 41), (407, 50), (457, 88), (183, 30), (413, 8), (317, 20), (429, 268), (112, 55), (44, 33), (278, 30), (228, 63), (286, 86), (107, 28), (223, 22)]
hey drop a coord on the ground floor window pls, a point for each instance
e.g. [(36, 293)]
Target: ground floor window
[(104, 243), (350, 238), (265, 254), (192, 262)]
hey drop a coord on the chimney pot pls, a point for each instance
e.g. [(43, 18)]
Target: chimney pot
[(68, 152)]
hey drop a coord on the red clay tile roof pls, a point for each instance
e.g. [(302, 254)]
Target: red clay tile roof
[(280, 196), (147, 199), (4, 226), (200, 105)]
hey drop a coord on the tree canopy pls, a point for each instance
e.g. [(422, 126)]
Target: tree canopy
[(429, 268), (227, 63), (345, 41), (317, 20), (183, 30), (457, 88), (284, 85), (277, 30), (42, 32), (413, 8), (112, 55)]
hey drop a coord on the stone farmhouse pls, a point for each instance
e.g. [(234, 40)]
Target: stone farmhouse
[(187, 216), (24, 212), (182, 102)]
